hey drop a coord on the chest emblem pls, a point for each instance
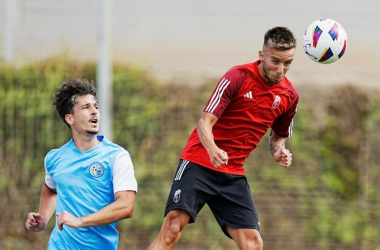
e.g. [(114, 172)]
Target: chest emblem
[(96, 169), (277, 101)]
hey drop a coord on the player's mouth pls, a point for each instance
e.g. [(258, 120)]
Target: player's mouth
[(94, 121), (278, 78)]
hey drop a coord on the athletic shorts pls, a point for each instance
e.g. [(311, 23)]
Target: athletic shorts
[(228, 196)]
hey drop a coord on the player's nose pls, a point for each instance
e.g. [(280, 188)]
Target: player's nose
[(280, 68)]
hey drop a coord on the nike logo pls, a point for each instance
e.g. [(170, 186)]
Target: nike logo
[(59, 173)]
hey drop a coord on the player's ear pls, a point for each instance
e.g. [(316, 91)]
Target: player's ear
[(261, 55), (69, 119)]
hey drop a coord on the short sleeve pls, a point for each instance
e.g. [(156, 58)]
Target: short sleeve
[(226, 89), (48, 180), (123, 173), (283, 125)]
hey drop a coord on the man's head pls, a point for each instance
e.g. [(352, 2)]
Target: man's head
[(70, 94), (279, 38), (277, 54)]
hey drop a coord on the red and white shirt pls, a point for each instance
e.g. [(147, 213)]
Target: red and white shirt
[(246, 106)]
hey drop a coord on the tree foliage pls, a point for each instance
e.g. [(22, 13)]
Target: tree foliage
[(328, 199)]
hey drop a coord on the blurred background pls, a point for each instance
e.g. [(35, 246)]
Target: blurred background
[(153, 54)]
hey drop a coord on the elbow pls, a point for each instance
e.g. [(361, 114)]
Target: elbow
[(199, 126), (129, 215), (125, 204), (127, 212)]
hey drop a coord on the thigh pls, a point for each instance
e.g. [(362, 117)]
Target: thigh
[(234, 206)]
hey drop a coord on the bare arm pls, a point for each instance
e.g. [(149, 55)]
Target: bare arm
[(38, 221), (281, 155), (218, 157), (121, 208)]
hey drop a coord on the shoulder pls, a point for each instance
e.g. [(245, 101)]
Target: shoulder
[(239, 73), (123, 153), (292, 92), (109, 144), (112, 149), (58, 151), (235, 78)]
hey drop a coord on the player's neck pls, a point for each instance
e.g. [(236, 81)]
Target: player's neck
[(85, 142)]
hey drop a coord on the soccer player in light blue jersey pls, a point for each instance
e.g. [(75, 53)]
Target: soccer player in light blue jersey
[(89, 182)]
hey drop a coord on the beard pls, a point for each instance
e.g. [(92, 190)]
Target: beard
[(267, 78)]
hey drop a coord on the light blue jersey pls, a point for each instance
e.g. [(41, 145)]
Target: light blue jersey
[(84, 184)]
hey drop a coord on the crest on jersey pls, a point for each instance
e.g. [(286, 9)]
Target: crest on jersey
[(277, 101), (177, 196), (96, 169)]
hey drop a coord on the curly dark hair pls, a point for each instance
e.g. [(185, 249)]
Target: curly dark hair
[(65, 98), (280, 38)]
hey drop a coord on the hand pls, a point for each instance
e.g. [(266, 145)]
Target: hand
[(35, 222), (283, 157), (218, 158), (65, 218)]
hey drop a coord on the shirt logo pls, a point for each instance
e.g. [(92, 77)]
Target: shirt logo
[(248, 95), (276, 102), (96, 169), (177, 196)]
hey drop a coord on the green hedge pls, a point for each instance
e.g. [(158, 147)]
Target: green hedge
[(328, 199)]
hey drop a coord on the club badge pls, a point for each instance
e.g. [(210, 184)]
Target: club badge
[(96, 169)]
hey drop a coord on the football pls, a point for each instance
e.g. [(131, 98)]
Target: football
[(325, 41)]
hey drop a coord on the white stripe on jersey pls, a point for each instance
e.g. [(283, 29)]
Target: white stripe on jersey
[(180, 170), (215, 99), (290, 130)]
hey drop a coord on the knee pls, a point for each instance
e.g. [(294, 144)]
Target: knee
[(255, 242), (172, 232), (173, 226)]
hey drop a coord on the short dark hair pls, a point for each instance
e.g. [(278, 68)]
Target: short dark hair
[(280, 38), (65, 98)]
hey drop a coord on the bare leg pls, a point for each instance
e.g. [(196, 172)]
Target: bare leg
[(246, 239), (171, 230)]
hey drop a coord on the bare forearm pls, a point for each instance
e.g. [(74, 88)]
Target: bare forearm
[(122, 208), (47, 202), (276, 142), (218, 157), (205, 135), (281, 155)]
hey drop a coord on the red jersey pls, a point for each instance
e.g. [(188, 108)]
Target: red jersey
[(246, 106)]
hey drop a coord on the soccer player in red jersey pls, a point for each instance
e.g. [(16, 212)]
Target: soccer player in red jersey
[(247, 101)]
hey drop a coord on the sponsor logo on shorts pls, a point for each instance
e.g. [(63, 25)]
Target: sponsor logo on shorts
[(177, 196), (96, 169)]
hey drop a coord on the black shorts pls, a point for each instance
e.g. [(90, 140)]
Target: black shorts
[(228, 196)]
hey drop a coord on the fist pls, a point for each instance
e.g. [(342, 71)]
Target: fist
[(283, 157)]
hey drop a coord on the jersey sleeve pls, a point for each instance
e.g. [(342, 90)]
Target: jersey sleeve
[(283, 125), (123, 173), (48, 180), (226, 89)]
